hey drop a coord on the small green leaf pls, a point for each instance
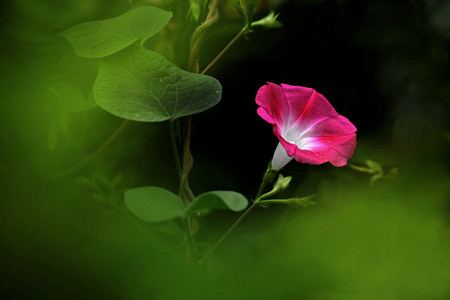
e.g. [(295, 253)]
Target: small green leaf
[(102, 38), (153, 204), (195, 8), (141, 85), (217, 200)]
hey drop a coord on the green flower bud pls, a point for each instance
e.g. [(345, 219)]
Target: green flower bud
[(282, 183), (270, 21)]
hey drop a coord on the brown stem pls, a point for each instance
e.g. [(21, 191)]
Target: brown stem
[(199, 34), (184, 190), (188, 161)]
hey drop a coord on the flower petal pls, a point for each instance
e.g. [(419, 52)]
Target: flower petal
[(297, 98), (309, 157), (335, 149), (265, 115), (307, 126), (338, 126), (307, 107), (273, 103)]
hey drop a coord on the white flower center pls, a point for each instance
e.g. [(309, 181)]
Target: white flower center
[(298, 137)]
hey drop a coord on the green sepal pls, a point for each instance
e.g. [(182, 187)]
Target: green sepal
[(280, 185), (269, 21)]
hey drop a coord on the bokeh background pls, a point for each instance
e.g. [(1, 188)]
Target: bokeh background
[(64, 233)]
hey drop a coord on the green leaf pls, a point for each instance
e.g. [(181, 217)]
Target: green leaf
[(217, 200), (105, 37), (245, 8), (141, 85), (153, 204), (195, 8)]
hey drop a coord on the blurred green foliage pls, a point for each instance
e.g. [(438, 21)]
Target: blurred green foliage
[(383, 64)]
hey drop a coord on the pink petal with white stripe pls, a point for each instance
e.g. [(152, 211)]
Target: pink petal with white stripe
[(307, 126)]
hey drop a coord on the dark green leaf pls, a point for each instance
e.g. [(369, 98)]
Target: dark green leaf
[(102, 38), (217, 200), (153, 204), (141, 85)]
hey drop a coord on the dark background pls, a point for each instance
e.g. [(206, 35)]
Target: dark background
[(382, 64)]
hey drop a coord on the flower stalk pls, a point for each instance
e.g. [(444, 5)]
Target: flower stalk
[(269, 176)]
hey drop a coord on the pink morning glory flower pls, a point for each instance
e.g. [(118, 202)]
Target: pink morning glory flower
[(308, 127)]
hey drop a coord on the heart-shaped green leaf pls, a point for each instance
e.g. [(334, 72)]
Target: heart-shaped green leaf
[(153, 204), (217, 200), (104, 37), (141, 85)]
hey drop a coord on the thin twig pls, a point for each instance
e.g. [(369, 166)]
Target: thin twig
[(225, 235), (268, 177), (94, 154), (184, 191), (212, 9), (224, 50)]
